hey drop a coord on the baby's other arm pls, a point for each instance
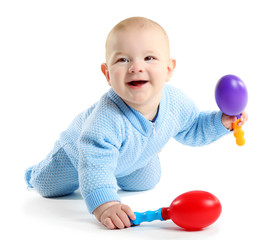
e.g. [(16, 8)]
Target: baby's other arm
[(114, 215)]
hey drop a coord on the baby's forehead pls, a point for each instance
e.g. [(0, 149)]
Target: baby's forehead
[(139, 24), (135, 26)]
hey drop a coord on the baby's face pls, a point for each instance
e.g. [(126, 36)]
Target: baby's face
[(138, 65)]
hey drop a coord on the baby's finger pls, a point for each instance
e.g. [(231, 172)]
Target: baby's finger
[(243, 119), (128, 211), (109, 223), (244, 116), (240, 123), (117, 222), (124, 218)]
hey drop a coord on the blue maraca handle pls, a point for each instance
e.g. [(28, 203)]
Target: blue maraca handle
[(148, 216)]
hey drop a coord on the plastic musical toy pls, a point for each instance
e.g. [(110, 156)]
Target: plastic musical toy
[(231, 97), (191, 211)]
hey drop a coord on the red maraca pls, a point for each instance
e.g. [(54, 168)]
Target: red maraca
[(192, 211)]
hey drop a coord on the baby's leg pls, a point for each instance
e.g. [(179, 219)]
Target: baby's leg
[(142, 179), (55, 176)]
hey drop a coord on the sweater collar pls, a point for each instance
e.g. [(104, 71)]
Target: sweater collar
[(144, 126)]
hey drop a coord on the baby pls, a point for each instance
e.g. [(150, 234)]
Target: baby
[(115, 143)]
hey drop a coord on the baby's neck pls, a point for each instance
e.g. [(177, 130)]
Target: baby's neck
[(150, 115), (149, 112)]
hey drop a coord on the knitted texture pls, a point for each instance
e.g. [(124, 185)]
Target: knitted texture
[(111, 145), (55, 176), (142, 179)]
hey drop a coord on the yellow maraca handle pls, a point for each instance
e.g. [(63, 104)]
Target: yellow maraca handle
[(238, 133)]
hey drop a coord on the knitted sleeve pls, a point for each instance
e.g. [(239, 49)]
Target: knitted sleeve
[(98, 156), (203, 129), (195, 128)]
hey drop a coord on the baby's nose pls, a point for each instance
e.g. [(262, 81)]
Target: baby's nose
[(136, 67)]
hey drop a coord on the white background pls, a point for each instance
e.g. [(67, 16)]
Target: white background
[(50, 56)]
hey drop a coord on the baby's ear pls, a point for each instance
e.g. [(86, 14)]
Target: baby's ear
[(171, 67), (104, 70)]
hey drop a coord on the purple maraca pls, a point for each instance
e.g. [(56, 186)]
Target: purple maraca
[(231, 95)]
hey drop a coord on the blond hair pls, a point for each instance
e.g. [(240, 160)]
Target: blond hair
[(139, 22)]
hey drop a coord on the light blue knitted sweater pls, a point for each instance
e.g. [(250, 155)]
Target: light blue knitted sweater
[(111, 140)]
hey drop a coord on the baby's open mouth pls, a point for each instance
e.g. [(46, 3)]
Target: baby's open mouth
[(137, 83)]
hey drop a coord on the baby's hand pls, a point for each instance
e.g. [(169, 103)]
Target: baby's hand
[(227, 121), (114, 215)]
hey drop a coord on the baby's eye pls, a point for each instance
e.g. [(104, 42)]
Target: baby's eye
[(123, 60), (149, 58)]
